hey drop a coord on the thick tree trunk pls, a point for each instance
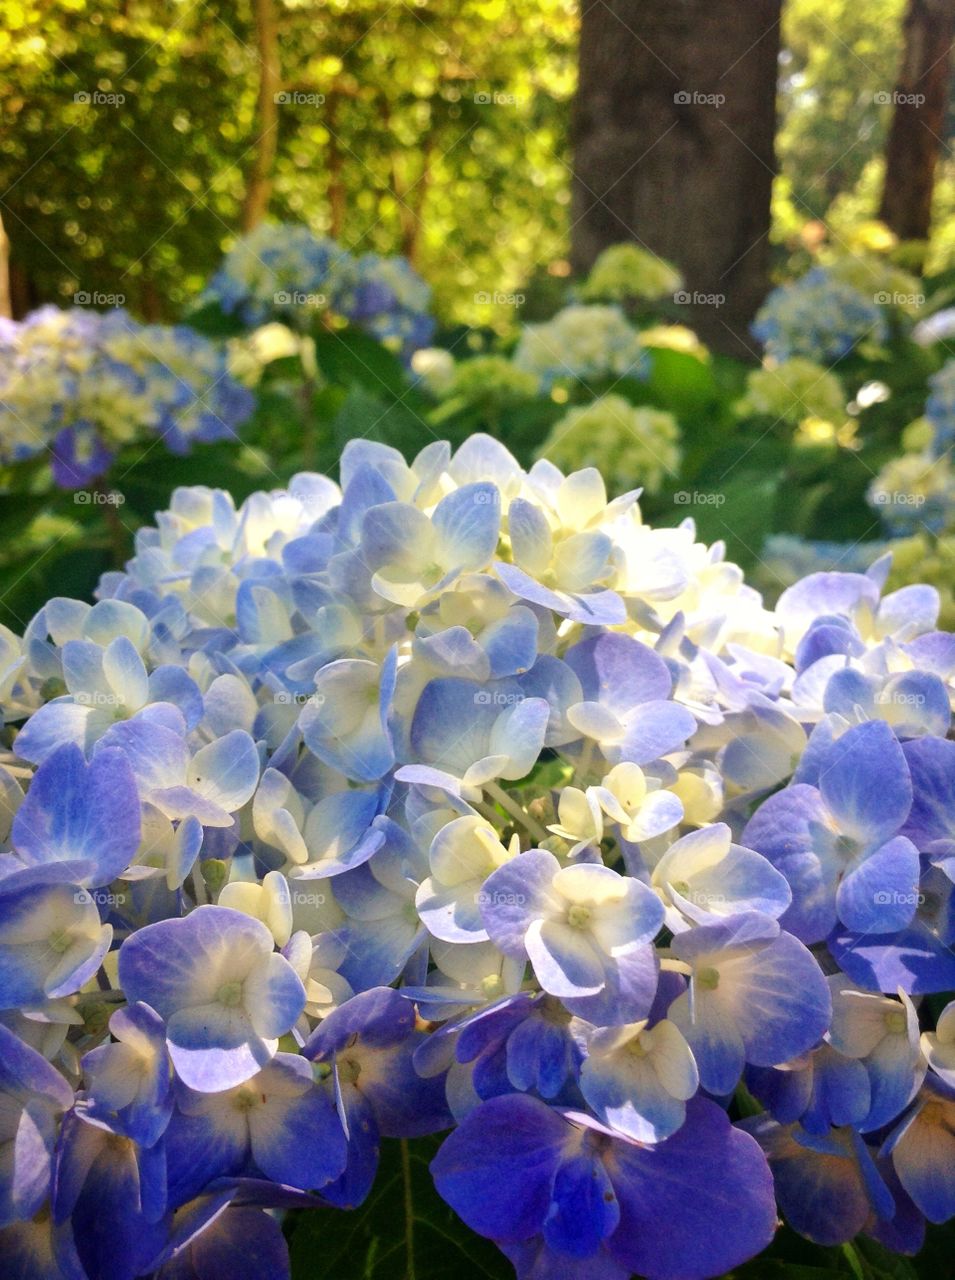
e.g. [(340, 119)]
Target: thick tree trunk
[(6, 301), (674, 129), (920, 105), (259, 189)]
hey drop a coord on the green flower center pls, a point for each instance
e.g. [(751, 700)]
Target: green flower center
[(708, 978), (230, 994)]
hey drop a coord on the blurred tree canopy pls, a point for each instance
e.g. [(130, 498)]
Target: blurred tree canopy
[(438, 128)]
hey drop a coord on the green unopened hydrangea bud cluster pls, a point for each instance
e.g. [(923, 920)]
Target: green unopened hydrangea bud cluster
[(625, 271), (632, 445), (794, 390), (923, 558), (881, 280), (490, 382)]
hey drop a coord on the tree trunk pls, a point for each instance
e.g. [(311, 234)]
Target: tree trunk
[(258, 192), (674, 129), (6, 302), (920, 103)]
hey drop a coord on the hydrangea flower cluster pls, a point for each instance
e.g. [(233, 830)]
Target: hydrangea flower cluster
[(81, 384), (626, 272), (388, 298), (490, 383), (793, 390), (283, 271), (878, 277), (912, 492), (818, 317), (582, 344), (629, 441), (458, 798), (785, 558), (940, 408)]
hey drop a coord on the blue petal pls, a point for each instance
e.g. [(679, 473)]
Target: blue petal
[(467, 522), (583, 1210), (865, 783), (694, 1206), (84, 815), (497, 1169), (881, 894)]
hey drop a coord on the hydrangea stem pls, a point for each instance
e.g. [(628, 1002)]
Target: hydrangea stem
[(517, 811)]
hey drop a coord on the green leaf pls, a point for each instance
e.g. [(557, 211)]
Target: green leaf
[(212, 321), (403, 1231), (350, 357), (680, 382)]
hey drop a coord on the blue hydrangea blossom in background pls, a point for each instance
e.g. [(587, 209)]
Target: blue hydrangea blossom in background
[(76, 386)]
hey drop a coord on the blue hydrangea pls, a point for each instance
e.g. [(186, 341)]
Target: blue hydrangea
[(455, 797), (817, 317), (283, 271), (80, 385)]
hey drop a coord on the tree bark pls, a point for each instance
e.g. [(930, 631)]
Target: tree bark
[(674, 129), (6, 301), (258, 192), (920, 106)]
